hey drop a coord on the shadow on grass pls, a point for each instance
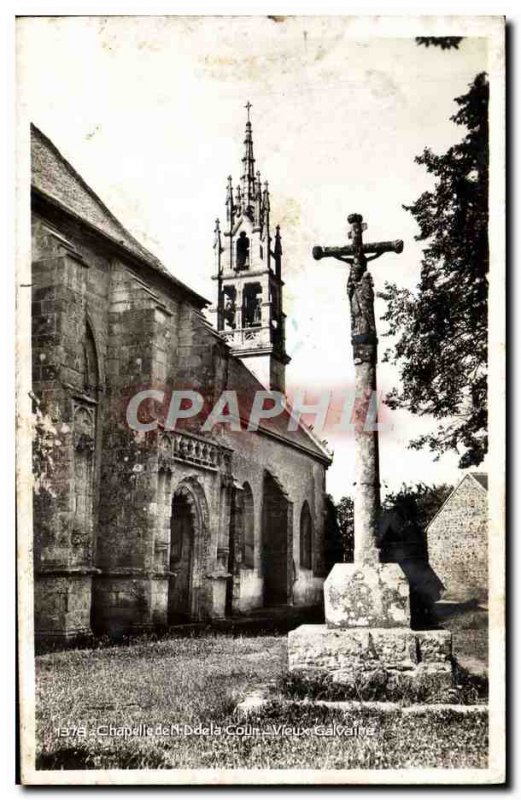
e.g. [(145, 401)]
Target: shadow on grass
[(275, 622), (447, 608), (82, 757)]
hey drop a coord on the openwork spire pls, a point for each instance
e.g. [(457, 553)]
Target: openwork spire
[(248, 167), (250, 197)]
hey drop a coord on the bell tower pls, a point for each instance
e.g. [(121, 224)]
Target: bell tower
[(248, 274)]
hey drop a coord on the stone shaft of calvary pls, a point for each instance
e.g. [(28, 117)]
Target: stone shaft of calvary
[(365, 343)]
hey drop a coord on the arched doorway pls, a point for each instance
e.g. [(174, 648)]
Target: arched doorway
[(186, 526), (277, 543)]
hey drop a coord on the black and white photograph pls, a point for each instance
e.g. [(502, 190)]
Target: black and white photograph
[(260, 399)]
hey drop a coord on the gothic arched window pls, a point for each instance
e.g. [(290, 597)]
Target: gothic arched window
[(242, 260), (306, 537), (252, 305), (90, 363), (229, 308)]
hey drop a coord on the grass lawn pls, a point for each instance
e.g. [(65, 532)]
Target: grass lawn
[(198, 681), (469, 629)]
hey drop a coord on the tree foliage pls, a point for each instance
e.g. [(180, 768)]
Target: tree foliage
[(404, 518), (414, 506), (419, 502), (441, 328), (346, 521), (340, 527)]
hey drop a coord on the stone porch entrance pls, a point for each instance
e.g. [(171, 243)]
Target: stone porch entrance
[(186, 526)]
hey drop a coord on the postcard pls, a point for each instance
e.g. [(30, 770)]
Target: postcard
[(260, 399)]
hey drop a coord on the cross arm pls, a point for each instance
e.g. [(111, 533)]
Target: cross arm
[(379, 248), (349, 250)]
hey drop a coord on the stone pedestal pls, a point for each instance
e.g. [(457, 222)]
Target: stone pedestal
[(367, 595), (367, 644)]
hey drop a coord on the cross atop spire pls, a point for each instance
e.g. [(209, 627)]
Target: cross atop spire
[(250, 196), (248, 168)]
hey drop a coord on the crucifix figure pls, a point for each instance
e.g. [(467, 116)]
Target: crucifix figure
[(364, 342)]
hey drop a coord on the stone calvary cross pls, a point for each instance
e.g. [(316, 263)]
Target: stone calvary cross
[(367, 645), (364, 342)]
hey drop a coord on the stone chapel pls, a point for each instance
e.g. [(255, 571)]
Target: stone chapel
[(135, 529)]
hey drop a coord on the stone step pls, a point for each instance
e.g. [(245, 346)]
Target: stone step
[(401, 656)]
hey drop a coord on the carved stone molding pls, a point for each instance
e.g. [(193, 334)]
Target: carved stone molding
[(190, 449)]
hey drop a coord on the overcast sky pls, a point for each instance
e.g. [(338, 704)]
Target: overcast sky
[(150, 111)]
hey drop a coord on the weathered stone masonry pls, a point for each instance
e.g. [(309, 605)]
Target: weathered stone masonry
[(144, 529), (458, 540)]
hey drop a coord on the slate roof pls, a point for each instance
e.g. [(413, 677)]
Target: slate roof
[(246, 385), (481, 478), (53, 177)]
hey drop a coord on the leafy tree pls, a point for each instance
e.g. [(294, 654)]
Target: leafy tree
[(441, 328), (404, 517), (424, 501), (339, 524), (346, 520), (411, 509)]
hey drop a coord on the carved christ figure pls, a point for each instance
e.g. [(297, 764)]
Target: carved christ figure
[(361, 298)]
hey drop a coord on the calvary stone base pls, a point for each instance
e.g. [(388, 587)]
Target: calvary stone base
[(367, 637)]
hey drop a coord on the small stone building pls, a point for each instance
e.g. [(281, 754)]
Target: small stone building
[(142, 528), (457, 540)]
